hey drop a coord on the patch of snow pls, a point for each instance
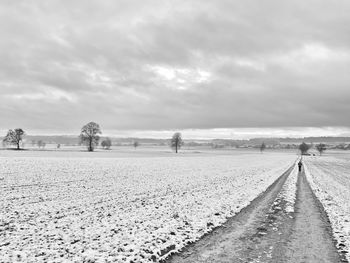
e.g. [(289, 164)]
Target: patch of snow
[(289, 189), (330, 180), (123, 210)]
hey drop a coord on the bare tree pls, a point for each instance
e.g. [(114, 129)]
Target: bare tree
[(89, 135), (104, 144), (262, 147), (107, 143), (40, 144), (14, 137), (304, 148), (176, 141), (321, 148), (136, 144)]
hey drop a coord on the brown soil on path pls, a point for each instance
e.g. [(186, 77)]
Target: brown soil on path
[(250, 236), (311, 240)]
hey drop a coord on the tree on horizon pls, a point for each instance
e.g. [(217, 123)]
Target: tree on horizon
[(14, 137), (136, 144), (321, 147), (176, 141), (262, 147), (40, 144), (107, 143), (304, 148), (89, 135)]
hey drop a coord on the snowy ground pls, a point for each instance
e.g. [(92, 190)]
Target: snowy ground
[(122, 209), (330, 179), (289, 190)]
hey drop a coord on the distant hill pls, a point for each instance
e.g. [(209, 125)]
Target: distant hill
[(74, 140), (52, 139), (316, 140)]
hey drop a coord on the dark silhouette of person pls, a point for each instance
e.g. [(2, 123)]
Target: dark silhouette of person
[(300, 164)]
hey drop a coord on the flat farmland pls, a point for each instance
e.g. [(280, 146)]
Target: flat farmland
[(329, 176), (87, 207)]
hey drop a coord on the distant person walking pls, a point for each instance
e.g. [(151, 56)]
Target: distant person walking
[(300, 164)]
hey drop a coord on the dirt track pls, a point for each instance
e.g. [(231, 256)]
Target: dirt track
[(263, 232), (311, 240)]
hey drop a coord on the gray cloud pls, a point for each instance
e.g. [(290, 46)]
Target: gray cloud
[(174, 64)]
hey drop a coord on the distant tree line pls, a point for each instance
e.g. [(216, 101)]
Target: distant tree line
[(90, 137), (304, 148)]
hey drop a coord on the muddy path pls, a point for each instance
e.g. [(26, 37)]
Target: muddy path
[(243, 238), (264, 232), (311, 240)]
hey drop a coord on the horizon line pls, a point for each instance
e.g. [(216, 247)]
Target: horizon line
[(211, 134)]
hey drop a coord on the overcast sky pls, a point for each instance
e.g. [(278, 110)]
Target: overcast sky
[(175, 65)]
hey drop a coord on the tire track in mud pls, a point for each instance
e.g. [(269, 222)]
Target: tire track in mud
[(264, 232), (246, 237)]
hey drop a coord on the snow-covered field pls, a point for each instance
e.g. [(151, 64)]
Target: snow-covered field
[(289, 190), (329, 177), (122, 209)]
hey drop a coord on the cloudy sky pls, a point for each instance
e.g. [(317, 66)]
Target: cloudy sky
[(226, 67)]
